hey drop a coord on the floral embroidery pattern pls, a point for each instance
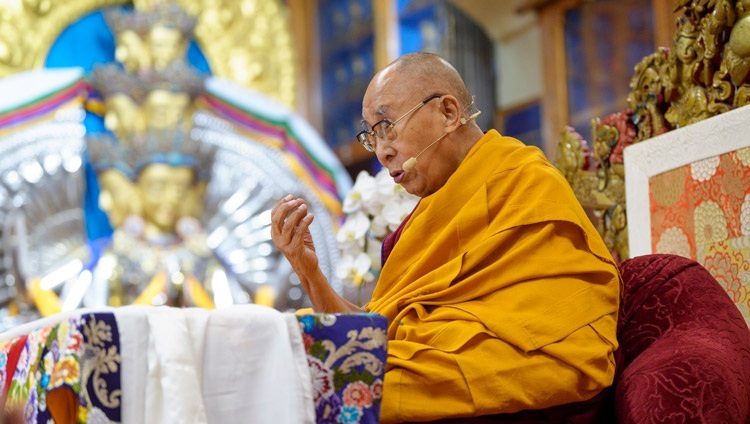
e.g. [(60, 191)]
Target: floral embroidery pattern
[(728, 263), (322, 379), (668, 189), (743, 155), (79, 355), (704, 169), (673, 241), (745, 217), (346, 366), (728, 274), (710, 221)]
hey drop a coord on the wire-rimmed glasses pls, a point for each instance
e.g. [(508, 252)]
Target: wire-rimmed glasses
[(382, 131)]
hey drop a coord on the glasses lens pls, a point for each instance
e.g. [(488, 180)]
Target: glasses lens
[(382, 130), (365, 139)]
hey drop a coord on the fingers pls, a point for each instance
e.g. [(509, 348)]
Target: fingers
[(292, 221), (281, 210), (289, 219)]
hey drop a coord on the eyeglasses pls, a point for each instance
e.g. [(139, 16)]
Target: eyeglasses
[(383, 131)]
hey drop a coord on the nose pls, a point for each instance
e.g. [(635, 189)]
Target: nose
[(385, 152)]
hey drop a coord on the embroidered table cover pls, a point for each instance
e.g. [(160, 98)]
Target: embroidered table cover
[(75, 360), (70, 370)]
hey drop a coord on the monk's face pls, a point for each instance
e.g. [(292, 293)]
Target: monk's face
[(390, 95)]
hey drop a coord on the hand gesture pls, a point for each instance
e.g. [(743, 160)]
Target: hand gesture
[(290, 232)]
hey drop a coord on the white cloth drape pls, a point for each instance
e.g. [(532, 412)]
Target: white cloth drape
[(242, 364)]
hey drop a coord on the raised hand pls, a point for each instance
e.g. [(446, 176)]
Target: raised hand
[(290, 232)]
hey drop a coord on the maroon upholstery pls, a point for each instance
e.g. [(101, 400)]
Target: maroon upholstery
[(684, 353), (684, 346)]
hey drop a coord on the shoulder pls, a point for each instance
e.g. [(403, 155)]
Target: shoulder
[(508, 154), (526, 169)]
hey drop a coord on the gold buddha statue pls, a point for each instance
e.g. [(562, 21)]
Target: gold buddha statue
[(152, 183), (153, 37), (158, 254), (122, 93), (152, 174), (164, 247), (130, 48), (170, 97)]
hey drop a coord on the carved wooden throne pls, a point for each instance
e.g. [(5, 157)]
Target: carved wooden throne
[(681, 172)]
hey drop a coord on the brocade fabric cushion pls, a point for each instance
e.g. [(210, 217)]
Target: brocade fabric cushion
[(685, 348)]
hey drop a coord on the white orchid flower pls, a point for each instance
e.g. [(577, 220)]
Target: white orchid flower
[(395, 212), (384, 183), (375, 204), (355, 227), (379, 226), (369, 277), (361, 193), (353, 247), (352, 269), (392, 214), (374, 251)]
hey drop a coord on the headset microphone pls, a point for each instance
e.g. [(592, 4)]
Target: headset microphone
[(411, 163), (471, 118)]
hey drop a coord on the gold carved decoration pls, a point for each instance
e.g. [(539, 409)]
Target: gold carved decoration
[(29, 27), (598, 178), (248, 41), (704, 73)]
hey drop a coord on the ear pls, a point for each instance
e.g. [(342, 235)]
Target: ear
[(451, 110)]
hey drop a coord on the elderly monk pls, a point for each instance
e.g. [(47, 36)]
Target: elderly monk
[(500, 294)]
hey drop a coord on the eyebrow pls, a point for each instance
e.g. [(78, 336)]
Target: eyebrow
[(379, 112)]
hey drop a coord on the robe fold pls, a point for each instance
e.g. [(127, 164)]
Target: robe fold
[(500, 294)]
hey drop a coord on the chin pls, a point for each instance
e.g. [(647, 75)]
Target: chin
[(412, 191)]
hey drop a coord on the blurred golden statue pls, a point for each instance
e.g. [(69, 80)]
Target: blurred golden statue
[(152, 38), (158, 254), (153, 194), (152, 174), (63, 255)]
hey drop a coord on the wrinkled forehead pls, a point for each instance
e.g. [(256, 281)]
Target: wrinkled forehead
[(378, 108), (385, 95)]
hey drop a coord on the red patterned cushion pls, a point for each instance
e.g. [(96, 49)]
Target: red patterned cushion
[(685, 348)]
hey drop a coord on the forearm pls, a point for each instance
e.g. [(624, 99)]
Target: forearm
[(322, 296)]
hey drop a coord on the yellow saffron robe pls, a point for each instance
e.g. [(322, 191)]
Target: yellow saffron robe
[(500, 294)]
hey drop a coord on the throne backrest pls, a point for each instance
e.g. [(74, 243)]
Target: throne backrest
[(677, 161)]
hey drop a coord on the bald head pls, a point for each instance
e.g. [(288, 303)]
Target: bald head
[(424, 101), (424, 74)]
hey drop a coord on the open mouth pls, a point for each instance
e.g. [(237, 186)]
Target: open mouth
[(397, 176)]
